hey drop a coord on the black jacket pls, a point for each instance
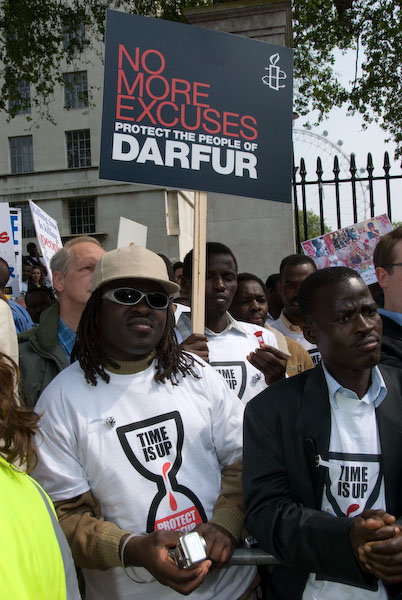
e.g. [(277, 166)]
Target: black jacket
[(391, 349), (286, 427)]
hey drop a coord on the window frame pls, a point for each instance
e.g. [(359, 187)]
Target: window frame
[(81, 212), (78, 147), (75, 90), (18, 154), (24, 90)]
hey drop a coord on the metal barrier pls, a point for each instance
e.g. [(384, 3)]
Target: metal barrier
[(252, 556)]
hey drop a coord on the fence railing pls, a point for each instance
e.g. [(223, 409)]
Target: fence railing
[(353, 196), (252, 556)]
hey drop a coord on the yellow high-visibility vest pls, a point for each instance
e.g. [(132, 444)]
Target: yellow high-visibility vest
[(31, 561)]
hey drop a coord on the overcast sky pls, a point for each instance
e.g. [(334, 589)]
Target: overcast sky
[(360, 142)]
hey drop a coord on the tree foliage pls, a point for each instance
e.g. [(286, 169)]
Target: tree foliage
[(41, 39), (313, 226), (32, 34), (372, 30)]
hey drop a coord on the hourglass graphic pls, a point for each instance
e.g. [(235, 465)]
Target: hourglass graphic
[(357, 487), (154, 448)]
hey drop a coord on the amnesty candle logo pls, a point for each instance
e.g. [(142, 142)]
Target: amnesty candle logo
[(275, 74), (154, 448)]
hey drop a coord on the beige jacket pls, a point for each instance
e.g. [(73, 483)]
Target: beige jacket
[(8, 333), (299, 359)]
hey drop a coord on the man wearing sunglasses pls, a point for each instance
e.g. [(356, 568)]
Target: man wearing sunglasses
[(141, 442), (388, 267)]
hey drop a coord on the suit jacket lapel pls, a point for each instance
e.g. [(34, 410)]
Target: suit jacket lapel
[(314, 425), (389, 419)]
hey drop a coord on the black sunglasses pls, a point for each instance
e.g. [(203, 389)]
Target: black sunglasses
[(131, 296)]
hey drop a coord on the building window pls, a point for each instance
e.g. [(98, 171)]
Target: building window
[(21, 154), (28, 227), (82, 215), (75, 90), (73, 39), (19, 101), (78, 148)]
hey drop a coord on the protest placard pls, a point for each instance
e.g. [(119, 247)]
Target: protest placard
[(131, 232), (16, 230), (47, 233), (196, 109), (7, 251), (351, 246)]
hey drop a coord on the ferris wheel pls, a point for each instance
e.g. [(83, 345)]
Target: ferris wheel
[(309, 146)]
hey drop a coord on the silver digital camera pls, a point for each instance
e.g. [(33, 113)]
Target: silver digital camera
[(190, 550)]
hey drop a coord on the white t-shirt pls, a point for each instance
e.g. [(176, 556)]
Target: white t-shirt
[(296, 333), (150, 453), (228, 351), (354, 480)]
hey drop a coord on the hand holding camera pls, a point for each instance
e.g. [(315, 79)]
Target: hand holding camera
[(190, 551), (153, 552), (220, 543)]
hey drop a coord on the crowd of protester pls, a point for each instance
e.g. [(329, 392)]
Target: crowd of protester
[(133, 424)]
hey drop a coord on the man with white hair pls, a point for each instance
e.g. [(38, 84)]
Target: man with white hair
[(45, 350)]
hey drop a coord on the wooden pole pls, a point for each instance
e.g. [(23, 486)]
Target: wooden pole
[(199, 263)]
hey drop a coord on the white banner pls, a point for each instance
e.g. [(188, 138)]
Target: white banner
[(47, 233)]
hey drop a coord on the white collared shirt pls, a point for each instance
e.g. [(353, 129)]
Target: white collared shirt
[(228, 351), (354, 480)]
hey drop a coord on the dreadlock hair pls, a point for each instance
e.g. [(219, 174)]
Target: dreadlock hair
[(170, 358), (17, 424)]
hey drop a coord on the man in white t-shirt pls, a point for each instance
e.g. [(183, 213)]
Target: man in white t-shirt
[(322, 455), (140, 441), (246, 355), (293, 271)]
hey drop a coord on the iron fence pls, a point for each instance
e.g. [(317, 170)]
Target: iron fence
[(252, 556), (354, 196)]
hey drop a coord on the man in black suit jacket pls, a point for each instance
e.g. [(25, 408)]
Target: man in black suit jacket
[(388, 267), (326, 445)]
